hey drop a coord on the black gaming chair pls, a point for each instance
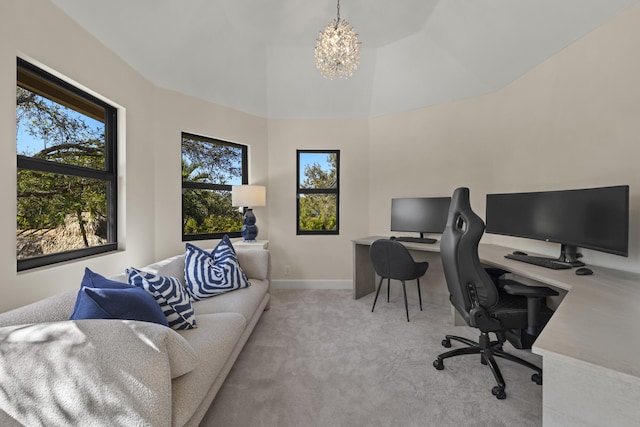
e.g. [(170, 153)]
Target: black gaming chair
[(512, 311), (391, 260)]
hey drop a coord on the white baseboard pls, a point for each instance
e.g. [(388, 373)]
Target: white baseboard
[(312, 284)]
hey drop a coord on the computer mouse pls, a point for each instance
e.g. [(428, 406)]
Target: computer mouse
[(392, 237), (520, 253), (584, 271)]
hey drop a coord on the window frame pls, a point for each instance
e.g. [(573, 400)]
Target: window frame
[(109, 175), (215, 187), (302, 191)]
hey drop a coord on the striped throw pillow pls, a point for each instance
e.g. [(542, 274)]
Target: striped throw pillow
[(169, 293), (211, 274)]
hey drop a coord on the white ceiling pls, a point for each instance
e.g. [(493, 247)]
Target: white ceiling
[(256, 56)]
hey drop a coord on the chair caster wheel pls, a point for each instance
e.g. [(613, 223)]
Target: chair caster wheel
[(498, 392), (537, 378), (446, 343), (438, 364)]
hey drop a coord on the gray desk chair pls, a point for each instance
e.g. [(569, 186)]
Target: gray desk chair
[(391, 260), (512, 311)]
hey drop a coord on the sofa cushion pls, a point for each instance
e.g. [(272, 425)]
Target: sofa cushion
[(52, 309), (213, 341), (182, 357), (208, 275), (172, 266), (129, 303), (171, 296), (91, 372), (254, 264), (243, 301)]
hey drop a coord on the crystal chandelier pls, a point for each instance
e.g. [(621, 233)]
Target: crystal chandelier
[(337, 49)]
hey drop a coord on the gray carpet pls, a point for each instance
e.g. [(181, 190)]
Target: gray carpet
[(321, 358)]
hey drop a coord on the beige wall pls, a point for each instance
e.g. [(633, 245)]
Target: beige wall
[(316, 257), (37, 30), (584, 102), (178, 113), (572, 122), (150, 120), (430, 152)]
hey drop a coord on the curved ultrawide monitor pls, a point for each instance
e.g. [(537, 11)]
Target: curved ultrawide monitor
[(420, 214), (591, 218)]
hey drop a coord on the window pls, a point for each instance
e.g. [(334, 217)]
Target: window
[(66, 171), (209, 168), (318, 191)]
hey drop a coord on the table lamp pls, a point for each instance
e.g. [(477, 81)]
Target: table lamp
[(248, 196)]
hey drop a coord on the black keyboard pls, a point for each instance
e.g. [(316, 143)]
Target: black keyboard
[(415, 239), (542, 262)]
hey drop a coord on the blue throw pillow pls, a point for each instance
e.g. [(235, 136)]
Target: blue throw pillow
[(129, 303), (170, 295), (212, 274), (95, 280)]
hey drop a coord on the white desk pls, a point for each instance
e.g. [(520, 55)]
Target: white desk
[(590, 347), (363, 272)]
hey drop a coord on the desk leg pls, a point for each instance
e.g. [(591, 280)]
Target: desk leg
[(364, 276), (458, 320)]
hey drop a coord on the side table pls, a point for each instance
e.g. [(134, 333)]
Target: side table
[(254, 244)]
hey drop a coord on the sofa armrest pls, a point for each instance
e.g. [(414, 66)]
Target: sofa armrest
[(90, 372), (254, 263)]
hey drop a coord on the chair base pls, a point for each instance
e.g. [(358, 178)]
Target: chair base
[(488, 350)]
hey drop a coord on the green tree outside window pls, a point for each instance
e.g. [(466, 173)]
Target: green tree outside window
[(318, 191), (66, 177), (210, 168)]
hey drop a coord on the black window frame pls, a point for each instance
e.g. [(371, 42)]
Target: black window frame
[(207, 186), (302, 191), (109, 175)]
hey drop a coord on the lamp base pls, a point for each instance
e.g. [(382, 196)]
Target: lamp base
[(249, 230)]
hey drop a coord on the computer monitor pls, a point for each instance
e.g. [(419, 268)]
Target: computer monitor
[(592, 218), (420, 214)]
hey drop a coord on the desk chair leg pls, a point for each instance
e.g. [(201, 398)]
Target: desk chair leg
[(446, 342), (377, 293), (518, 360), (497, 391), (419, 294), (388, 288), (406, 305)]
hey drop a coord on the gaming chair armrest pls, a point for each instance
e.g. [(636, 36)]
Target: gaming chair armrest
[(515, 288), (535, 296), (496, 275), (478, 318)]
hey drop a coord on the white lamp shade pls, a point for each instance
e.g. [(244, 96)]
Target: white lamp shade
[(248, 195)]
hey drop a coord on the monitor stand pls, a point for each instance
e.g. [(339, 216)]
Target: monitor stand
[(569, 254)]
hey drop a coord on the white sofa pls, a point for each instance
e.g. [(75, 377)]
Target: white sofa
[(54, 371)]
